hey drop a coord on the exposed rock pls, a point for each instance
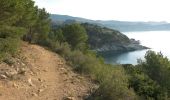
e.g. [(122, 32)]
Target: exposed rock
[(32, 73), (40, 90), (45, 70), (40, 80), (22, 71), (15, 85), (69, 98), (11, 73), (3, 76), (22, 64), (35, 94), (120, 48), (30, 82)]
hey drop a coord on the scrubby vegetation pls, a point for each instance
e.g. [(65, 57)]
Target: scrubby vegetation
[(112, 80), (149, 80), (101, 36)]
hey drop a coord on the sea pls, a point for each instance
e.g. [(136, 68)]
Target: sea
[(158, 41)]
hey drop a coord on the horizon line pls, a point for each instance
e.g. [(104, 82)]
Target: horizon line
[(163, 21)]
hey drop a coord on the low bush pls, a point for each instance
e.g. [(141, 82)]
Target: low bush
[(9, 40), (143, 85), (114, 86)]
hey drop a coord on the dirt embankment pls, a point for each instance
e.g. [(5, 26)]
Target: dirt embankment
[(38, 74)]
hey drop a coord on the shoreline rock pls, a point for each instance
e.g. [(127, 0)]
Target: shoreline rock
[(121, 48), (133, 45)]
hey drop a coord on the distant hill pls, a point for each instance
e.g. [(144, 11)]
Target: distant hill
[(103, 39), (99, 36), (63, 18), (123, 26)]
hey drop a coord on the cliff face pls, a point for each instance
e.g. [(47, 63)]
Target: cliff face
[(103, 39)]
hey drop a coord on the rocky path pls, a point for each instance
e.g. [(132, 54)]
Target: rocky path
[(45, 77)]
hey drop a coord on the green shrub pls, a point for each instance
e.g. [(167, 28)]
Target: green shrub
[(114, 86), (76, 36), (9, 40), (143, 85), (9, 61), (8, 46), (157, 67), (61, 48)]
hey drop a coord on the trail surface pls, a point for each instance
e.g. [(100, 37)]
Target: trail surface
[(46, 77)]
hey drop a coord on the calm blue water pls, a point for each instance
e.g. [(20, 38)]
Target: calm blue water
[(156, 40)]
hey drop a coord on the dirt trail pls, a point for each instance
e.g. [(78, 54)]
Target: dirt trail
[(47, 77)]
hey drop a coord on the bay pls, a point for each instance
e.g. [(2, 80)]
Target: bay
[(158, 41)]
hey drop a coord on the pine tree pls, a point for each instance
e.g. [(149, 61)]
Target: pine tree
[(76, 36)]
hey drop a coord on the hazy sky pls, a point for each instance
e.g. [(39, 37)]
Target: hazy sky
[(125, 10)]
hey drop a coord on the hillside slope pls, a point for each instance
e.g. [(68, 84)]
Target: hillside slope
[(103, 39), (38, 74)]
